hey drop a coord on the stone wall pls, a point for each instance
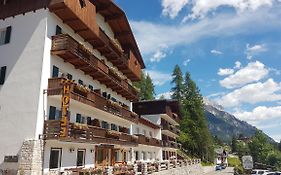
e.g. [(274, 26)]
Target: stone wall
[(31, 158), (186, 170)]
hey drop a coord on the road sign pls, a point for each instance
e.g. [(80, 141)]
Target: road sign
[(247, 162)]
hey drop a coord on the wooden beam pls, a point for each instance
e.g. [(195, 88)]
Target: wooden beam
[(70, 20), (81, 30), (102, 8), (112, 17), (121, 34)]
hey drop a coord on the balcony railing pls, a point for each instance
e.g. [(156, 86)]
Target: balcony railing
[(148, 141), (88, 134), (170, 113), (171, 144), (92, 98), (71, 51), (166, 126)]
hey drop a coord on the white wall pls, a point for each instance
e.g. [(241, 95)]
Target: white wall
[(68, 159), (19, 96), (156, 153), (153, 118), (141, 127)]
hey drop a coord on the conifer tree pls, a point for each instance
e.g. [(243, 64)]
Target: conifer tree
[(178, 84), (146, 87)]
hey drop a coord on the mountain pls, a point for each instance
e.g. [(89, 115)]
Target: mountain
[(224, 125)]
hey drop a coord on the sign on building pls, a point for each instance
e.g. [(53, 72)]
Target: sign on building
[(247, 162), (65, 100)]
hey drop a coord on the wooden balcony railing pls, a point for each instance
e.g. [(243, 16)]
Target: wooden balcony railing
[(71, 51), (148, 141), (166, 126), (171, 144), (170, 113), (88, 134), (92, 98)]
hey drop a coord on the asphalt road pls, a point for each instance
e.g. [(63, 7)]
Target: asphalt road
[(227, 171)]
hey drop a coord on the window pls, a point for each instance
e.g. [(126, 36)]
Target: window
[(80, 82), (55, 158), (104, 125), (55, 72), (150, 134), (91, 87), (113, 127), (54, 113), (3, 74), (89, 121), (100, 156), (5, 35), (69, 76), (80, 157), (143, 156), (58, 30), (138, 131), (144, 132), (80, 118), (104, 94), (137, 155)]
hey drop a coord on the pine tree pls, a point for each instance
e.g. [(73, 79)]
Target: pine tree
[(178, 84), (234, 144), (146, 87), (149, 88)]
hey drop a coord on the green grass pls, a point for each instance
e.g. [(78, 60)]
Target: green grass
[(233, 161)]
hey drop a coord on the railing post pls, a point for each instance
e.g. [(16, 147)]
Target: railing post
[(144, 169)]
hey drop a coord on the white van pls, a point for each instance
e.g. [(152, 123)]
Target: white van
[(254, 172)]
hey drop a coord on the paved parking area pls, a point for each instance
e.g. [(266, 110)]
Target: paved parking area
[(227, 171)]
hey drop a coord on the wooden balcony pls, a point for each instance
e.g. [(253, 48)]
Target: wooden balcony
[(148, 141), (171, 144), (74, 53), (91, 98), (87, 134), (83, 21), (166, 126)]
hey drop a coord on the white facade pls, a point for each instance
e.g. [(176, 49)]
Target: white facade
[(24, 106)]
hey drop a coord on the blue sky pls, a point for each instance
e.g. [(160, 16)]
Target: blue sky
[(232, 48)]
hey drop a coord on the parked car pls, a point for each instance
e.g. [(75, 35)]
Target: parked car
[(254, 172), (218, 167), (270, 173)]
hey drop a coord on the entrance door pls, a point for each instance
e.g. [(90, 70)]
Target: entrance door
[(104, 156)]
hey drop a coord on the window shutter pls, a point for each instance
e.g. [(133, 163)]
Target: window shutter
[(52, 113), (69, 76), (3, 74), (55, 72), (8, 34)]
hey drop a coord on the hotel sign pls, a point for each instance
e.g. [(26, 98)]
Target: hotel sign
[(65, 101)]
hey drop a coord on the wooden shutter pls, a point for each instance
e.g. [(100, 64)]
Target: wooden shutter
[(3, 74), (52, 113), (8, 34)]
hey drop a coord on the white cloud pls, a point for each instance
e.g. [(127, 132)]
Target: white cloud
[(167, 95), (171, 8), (185, 62), (151, 36), (268, 91), (237, 65), (159, 78), (158, 55), (260, 113), (216, 52), (202, 7), (253, 72), (252, 50), (223, 72)]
